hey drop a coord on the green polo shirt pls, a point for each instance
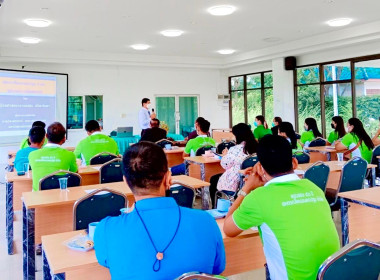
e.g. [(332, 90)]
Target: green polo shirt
[(93, 145), (24, 143), (198, 142), (295, 226), (350, 140), (261, 131), (307, 136), (48, 160), (333, 136)]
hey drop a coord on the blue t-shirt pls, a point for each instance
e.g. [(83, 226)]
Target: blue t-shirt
[(22, 157), (122, 244)]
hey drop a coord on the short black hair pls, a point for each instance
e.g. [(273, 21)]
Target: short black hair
[(204, 125), (275, 155), (37, 134), (92, 125), (144, 100), (144, 166), (56, 132), (199, 119), (39, 123), (155, 121)]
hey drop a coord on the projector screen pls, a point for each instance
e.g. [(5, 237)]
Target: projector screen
[(26, 97)]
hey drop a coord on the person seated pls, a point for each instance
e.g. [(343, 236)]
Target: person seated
[(94, 143), (311, 132), (286, 130), (337, 124), (26, 143), (232, 159), (36, 140), (158, 239), (261, 128), (276, 122), (376, 137), (293, 215), (52, 157), (356, 142), (194, 134), (154, 133)]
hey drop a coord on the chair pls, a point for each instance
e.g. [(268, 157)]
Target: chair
[(318, 142), (163, 142), (298, 136), (302, 157), (113, 133), (101, 158), (51, 181), (357, 260), (111, 171), (200, 276), (318, 173), (203, 149), (96, 206), (375, 160), (222, 146), (351, 179), (184, 196), (249, 161)]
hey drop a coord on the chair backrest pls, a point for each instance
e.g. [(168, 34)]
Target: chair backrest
[(375, 160), (51, 181), (357, 260), (318, 142), (249, 161), (102, 157), (318, 173), (298, 136), (163, 142), (353, 175), (96, 206), (203, 149), (198, 275), (302, 157), (223, 145), (111, 171), (184, 196)]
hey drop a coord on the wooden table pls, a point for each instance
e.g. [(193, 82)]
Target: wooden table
[(51, 211), (243, 253), (174, 156), (370, 220), (323, 151)]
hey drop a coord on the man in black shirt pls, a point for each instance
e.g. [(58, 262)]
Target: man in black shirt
[(155, 133)]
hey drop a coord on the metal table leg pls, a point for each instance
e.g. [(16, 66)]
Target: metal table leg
[(344, 217), (9, 215), (29, 257), (373, 175)]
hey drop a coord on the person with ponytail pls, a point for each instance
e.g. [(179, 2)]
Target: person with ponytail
[(356, 142), (311, 132), (261, 127), (337, 124), (286, 130)]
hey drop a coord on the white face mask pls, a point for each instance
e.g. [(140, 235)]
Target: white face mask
[(148, 106)]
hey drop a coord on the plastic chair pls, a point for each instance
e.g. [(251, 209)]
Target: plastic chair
[(163, 142), (302, 157), (111, 171), (200, 276), (51, 181), (375, 160), (94, 207), (318, 173), (318, 142), (113, 133), (222, 146), (357, 260), (202, 150), (102, 157), (249, 161), (184, 196)]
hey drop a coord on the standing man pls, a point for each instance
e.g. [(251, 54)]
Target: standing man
[(145, 115)]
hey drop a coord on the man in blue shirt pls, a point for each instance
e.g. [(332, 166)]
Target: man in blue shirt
[(145, 115), (36, 139), (157, 239)]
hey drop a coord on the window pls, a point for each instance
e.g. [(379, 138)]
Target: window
[(251, 95), (75, 112), (94, 108)]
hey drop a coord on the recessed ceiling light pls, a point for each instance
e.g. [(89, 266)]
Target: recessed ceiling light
[(37, 22), (29, 40), (339, 22), (140, 47), (222, 10), (171, 33), (227, 51)]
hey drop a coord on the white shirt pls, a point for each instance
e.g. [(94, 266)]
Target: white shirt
[(52, 145), (144, 118)]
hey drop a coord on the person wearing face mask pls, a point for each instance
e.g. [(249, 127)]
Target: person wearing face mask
[(145, 115), (337, 124), (275, 124), (356, 142), (261, 128), (311, 132), (285, 129)]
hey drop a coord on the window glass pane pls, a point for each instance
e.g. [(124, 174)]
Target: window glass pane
[(367, 86), (188, 108), (338, 102), (75, 112), (308, 75), (309, 105), (237, 100), (269, 106), (94, 108), (268, 79), (166, 112), (337, 71), (237, 83), (254, 106), (254, 81)]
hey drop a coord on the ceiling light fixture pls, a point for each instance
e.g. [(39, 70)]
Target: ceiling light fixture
[(37, 22), (140, 47), (227, 51), (339, 22), (171, 33), (29, 40), (222, 10)]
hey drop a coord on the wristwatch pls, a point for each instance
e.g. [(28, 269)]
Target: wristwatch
[(242, 193)]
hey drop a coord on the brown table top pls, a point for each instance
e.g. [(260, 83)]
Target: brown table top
[(370, 195), (175, 150), (189, 181), (326, 149), (201, 159)]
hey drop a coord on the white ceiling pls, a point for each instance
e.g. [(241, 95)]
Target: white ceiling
[(109, 27)]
